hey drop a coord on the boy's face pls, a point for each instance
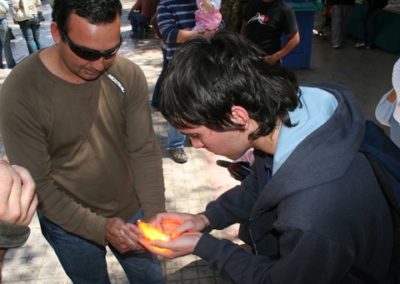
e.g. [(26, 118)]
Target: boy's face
[(231, 144)]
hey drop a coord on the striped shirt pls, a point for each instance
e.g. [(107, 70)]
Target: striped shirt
[(172, 16)]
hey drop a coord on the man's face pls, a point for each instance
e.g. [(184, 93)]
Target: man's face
[(83, 41), (232, 144)]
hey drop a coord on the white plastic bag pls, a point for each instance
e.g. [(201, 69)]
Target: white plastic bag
[(384, 109)]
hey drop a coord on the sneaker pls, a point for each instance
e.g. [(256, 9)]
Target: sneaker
[(178, 155), (336, 46), (359, 45)]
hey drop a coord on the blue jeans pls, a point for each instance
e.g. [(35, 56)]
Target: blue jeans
[(5, 44), (31, 33), (138, 22), (85, 262), (175, 138), (157, 88)]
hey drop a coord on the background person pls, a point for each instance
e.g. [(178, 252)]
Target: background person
[(26, 15), (387, 111), (208, 16), (308, 201), (369, 13), (264, 23), (140, 15), (176, 20), (77, 116), (5, 36)]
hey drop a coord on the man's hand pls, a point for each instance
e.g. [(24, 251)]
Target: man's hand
[(18, 200), (115, 235), (131, 235)]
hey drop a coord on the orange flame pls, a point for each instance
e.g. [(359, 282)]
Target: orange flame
[(151, 233)]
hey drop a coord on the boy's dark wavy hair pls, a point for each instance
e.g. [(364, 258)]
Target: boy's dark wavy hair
[(95, 11), (209, 76)]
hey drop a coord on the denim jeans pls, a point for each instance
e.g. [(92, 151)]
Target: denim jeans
[(157, 88), (175, 138), (31, 33), (137, 22), (85, 262), (5, 44)]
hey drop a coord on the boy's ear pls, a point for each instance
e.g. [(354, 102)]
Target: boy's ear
[(239, 115)]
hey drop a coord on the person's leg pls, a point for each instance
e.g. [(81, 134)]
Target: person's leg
[(142, 267), (346, 13), (35, 26), (175, 143), (363, 26), (147, 30), (156, 93), (7, 45), (133, 24), (82, 260), (138, 20), (371, 27), (336, 38), (3, 32), (175, 138), (28, 36)]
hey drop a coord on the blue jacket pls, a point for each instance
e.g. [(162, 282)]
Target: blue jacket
[(321, 218)]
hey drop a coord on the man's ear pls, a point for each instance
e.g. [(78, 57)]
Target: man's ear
[(239, 115), (55, 32)]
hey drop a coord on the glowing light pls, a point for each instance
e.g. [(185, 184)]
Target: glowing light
[(151, 233)]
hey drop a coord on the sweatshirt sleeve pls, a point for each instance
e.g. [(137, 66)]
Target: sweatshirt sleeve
[(233, 206), (304, 258), (12, 236)]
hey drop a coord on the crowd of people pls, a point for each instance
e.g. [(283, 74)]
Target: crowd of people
[(80, 130)]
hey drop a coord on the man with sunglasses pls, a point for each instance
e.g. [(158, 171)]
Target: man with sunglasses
[(77, 116)]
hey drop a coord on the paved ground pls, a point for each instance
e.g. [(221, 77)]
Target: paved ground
[(190, 186)]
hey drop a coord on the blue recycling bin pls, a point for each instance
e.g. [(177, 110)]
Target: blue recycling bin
[(300, 57)]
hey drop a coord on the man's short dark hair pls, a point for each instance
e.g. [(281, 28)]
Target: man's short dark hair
[(209, 76), (95, 11)]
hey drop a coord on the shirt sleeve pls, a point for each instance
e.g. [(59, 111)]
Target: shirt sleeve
[(234, 206), (304, 258), (290, 21), (143, 147), (167, 24), (12, 236), (24, 125)]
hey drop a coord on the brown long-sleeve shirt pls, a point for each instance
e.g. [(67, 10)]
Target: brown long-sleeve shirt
[(90, 148)]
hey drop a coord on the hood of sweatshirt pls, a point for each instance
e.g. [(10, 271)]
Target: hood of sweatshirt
[(323, 156)]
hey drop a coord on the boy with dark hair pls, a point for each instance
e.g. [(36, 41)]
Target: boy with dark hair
[(314, 208)]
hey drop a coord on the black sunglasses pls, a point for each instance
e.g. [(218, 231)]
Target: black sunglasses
[(91, 54)]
